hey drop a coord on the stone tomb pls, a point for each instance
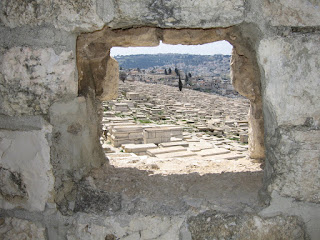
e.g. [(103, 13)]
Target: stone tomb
[(161, 134)]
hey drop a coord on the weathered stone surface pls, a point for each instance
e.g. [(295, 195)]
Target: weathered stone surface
[(109, 85), (23, 123), (295, 156), (292, 13), (17, 13), (218, 225), (26, 172), (309, 212), (17, 229), (128, 227), (38, 37), (11, 184), (291, 107), (64, 14), (203, 13), (97, 70), (193, 36), (90, 200), (75, 145), (31, 79), (245, 76), (291, 70), (37, 68)]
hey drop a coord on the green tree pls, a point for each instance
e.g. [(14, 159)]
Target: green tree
[(170, 71), (165, 72)]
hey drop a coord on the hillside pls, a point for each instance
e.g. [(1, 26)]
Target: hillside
[(185, 62)]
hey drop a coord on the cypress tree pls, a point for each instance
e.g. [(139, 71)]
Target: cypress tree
[(180, 83)]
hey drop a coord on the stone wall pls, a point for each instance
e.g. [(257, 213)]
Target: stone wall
[(55, 69)]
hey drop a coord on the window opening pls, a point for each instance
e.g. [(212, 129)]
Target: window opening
[(177, 112)]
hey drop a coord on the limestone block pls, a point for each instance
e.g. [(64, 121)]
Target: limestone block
[(91, 200), (75, 143), (18, 13), (26, 173), (64, 14), (292, 86), (127, 227), (193, 36), (121, 135), (204, 13), (16, 229), (31, 79), (309, 212), (138, 148), (292, 13), (77, 15), (133, 96), (296, 163), (135, 136), (156, 140), (110, 83), (217, 225)]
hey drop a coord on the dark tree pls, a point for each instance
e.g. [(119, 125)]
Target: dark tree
[(190, 75), (187, 79), (122, 76), (165, 72), (177, 71), (138, 69), (180, 83), (170, 71)]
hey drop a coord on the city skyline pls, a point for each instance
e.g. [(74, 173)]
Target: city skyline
[(220, 47)]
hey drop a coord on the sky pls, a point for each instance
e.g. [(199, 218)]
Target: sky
[(221, 47)]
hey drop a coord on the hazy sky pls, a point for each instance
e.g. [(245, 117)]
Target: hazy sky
[(221, 47)]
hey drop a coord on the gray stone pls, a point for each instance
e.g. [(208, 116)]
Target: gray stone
[(16, 229), (24, 155), (67, 15), (172, 13), (49, 74), (11, 184), (309, 212), (219, 225), (293, 13), (294, 71), (96, 201)]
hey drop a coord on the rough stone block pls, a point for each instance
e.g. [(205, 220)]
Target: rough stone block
[(291, 92), (212, 152), (133, 96), (135, 136), (26, 172), (172, 13), (31, 79), (109, 85), (138, 148), (96, 201), (292, 13), (296, 163), (180, 154), (153, 152), (68, 15), (171, 144), (218, 225), (16, 229)]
